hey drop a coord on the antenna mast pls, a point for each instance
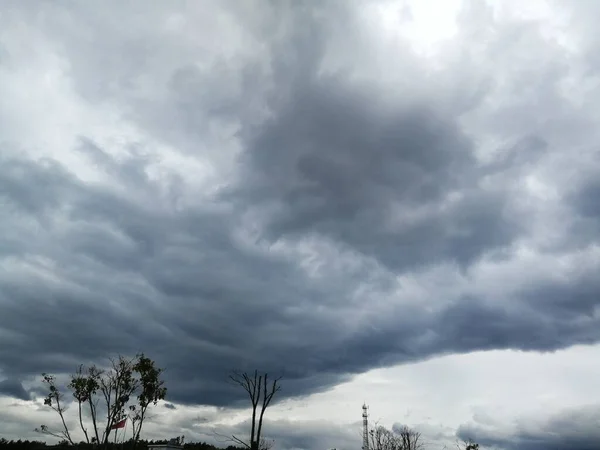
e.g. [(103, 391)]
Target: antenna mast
[(365, 416)]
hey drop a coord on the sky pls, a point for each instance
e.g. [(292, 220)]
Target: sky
[(390, 202)]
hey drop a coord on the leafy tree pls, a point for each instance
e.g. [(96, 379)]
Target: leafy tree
[(261, 392), (469, 444), (117, 386), (152, 390), (114, 389), (84, 386), (53, 400)]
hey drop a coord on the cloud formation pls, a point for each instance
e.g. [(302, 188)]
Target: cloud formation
[(312, 197), (13, 388), (575, 428)]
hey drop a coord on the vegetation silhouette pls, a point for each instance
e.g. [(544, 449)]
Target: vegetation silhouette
[(125, 391), (142, 444)]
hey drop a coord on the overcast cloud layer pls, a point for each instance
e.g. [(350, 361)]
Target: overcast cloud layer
[(314, 189)]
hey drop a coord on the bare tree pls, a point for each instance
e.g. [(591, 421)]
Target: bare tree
[(410, 439), (261, 392), (404, 438), (265, 444), (380, 438)]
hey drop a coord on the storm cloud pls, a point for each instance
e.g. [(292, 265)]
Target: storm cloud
[(13, 388), (308, 198)]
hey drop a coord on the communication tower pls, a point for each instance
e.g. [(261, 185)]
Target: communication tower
[(365, 415)]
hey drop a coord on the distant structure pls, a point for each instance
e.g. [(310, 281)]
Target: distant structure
[(365, 415), (172, 444)]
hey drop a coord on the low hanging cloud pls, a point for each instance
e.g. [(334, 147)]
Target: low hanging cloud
[(288, 434), (13, 388), (575, 428)]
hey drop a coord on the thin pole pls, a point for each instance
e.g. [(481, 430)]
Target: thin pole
[(365, 428)]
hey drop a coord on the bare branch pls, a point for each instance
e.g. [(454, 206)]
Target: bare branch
[(266, 445), (45, 430), (261, 392), (239, 441), (380, 438), (231, 438)]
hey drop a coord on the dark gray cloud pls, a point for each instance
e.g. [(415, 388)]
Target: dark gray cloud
[(575, 429), (340, 163), (13, 388), (326, 192), (170, 293), (398, 183), (202, 304)]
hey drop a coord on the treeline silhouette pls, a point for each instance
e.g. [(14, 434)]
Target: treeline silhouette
[(127, 445)]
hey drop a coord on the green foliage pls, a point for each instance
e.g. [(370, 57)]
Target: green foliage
[(152, 387), (53, 400), (85, 383), (117, 387), (151, 391)]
